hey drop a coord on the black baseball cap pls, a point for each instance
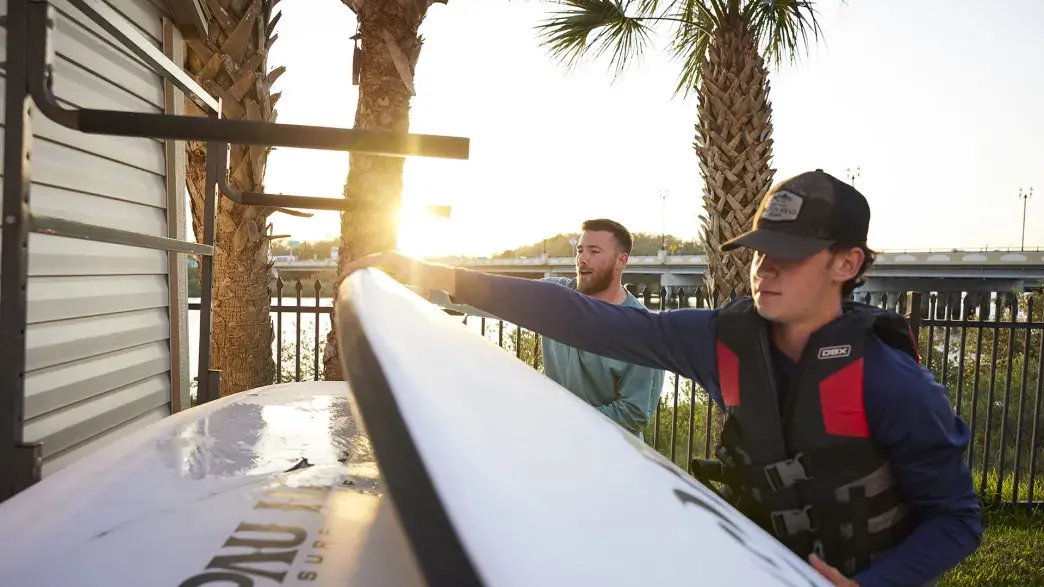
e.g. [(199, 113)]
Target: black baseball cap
[(805, 214)]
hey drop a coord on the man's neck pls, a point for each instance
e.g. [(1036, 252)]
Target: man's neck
[(614, 294), (791, 337)]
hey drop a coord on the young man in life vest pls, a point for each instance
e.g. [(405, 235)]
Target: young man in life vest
[(848, 450)]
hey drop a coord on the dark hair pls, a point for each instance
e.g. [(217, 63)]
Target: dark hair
[(621, 234), (868, 260)]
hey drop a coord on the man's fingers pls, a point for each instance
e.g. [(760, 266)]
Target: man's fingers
[(829, 572), (821, 567)]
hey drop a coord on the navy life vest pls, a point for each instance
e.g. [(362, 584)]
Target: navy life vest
[(807, 471)]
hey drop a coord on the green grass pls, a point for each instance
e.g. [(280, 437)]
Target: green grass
[(1008, 488), (1011, 554), (1012, 550)]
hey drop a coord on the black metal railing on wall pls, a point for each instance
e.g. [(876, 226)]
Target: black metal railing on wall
[(984, 346)]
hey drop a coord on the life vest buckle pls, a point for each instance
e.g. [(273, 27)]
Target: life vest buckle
[(786, 473), (789, 522)]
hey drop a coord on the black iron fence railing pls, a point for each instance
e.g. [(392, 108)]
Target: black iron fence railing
[(984, 346)]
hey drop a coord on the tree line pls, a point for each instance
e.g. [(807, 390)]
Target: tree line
[(558, 245)]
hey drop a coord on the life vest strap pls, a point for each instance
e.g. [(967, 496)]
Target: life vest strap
[(804, 466), (793, 522)]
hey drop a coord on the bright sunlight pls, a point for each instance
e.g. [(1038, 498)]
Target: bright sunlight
[(425, 232)]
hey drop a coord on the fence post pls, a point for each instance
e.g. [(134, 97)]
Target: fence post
[(213, 389), (913, 314)]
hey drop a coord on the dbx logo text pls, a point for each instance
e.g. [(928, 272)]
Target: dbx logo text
[(835, 352)]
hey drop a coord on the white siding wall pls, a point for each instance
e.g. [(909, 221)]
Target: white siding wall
[(98, 351)]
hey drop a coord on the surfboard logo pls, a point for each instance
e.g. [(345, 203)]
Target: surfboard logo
[(835, 352), (267, 547)]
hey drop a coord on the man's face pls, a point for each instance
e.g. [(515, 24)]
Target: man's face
[(792, 290), (597, 261)]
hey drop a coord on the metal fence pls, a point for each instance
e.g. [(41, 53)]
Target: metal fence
[(984, 346)]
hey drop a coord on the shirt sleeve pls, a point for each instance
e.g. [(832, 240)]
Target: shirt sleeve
[(631, 409), (442, 300), (681, 341), (911, 418)]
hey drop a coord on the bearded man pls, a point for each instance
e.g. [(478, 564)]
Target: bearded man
[(624, 392)]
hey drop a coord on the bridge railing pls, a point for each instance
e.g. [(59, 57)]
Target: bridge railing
[(1027, 258), (984, 346)]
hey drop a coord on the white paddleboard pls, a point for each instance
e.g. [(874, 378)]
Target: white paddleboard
[(504, 478), (248, 490), (490, 474)]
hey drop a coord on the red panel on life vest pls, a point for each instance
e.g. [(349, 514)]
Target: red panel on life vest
[(841, 398), (728, 375)]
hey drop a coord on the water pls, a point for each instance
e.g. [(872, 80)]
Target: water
[(289, 324)]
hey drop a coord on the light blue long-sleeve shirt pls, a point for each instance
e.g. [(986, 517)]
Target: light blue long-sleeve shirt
[(624, 392)]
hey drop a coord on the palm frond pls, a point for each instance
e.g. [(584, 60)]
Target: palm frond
[(783, 27), (622, 28), (697, 23), (568, 33)]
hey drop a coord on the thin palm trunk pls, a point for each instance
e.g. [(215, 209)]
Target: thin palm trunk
[(231, 64), (390, 48), (734, 147)]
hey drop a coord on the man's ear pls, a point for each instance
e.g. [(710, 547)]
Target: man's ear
[(848, 263), (621, 260)]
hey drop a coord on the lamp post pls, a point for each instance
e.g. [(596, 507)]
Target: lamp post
[(1024, 196), (852, 176), (663, 229)]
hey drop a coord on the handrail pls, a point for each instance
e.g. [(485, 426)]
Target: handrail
[(197, 128), (90, 232), (285, 200)]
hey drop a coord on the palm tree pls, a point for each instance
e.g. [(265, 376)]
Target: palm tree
[(722, 46), (232, 64), (384, 63)]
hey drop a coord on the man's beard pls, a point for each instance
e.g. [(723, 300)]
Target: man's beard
[(594, 282)]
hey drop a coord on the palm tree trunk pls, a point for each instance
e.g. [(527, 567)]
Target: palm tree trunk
[(390, 48), (232, 64), (734, 146)]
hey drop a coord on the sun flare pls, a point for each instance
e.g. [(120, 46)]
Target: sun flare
[(422, 234)]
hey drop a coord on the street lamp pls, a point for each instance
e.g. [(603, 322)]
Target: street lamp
[(663, 231), (1025, 196), (852, 176)]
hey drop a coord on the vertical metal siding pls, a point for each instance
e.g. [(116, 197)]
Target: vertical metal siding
[(98, 353)]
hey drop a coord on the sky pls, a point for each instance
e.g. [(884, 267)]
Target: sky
[(937, 102)]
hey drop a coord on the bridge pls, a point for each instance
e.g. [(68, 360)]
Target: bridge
[(893, 270)]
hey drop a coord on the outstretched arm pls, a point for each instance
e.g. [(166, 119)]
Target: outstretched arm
[(682, 341), (442, 300), (669, 340)]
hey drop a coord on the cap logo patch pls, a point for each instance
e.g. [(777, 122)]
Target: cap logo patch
[(783, 206)]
